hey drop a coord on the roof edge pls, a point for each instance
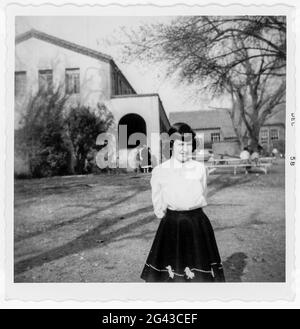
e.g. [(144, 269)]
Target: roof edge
[(33, 33), (136, 95)]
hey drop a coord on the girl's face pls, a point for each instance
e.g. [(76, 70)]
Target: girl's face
[(182, 151)]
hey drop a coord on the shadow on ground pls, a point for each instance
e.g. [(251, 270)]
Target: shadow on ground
[(91, 239), (95, 211), (223, 181), (234, 267)]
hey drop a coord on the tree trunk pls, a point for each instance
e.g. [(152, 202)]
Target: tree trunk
[(71, 159), (254, 137), (71, 153), (80, 165)]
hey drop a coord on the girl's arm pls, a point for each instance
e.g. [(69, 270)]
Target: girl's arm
[(204, 180), (157, 196)]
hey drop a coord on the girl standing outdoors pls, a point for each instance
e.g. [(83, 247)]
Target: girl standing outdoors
[(184, 248)]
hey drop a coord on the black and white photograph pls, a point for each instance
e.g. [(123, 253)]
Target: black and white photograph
[(151, 149)]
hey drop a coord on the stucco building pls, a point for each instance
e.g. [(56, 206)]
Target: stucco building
[(89, 77), (272, 134), (219, 135), (214, 125)]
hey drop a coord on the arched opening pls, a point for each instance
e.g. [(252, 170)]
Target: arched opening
[(132, 124)]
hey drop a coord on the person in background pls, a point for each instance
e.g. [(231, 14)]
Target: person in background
[(260, 150), (274, 152), (245, 155), (245, 158), (211, 158), (149, 160), (222, 161), (145, 157), (254, 157)]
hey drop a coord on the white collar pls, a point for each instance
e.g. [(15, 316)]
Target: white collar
[(179, 164)]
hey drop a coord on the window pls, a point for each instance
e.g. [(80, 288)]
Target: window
[(215, 137), (46, 81), (264, 136), (72, 81), (274, 134), (20, 83)]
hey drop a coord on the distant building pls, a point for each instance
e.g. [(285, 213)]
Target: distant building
[(219, 135), (43, 61), (215, 125), (272, 133)]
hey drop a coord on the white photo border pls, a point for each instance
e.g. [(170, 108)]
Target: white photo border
[(155, 291)]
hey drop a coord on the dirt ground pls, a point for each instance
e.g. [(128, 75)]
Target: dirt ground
[(99, 228)]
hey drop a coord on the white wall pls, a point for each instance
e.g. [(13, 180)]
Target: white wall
[(145, 106), (33, 55)]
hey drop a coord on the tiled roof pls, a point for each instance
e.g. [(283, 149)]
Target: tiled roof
[(207, 119), (220, 118), (278, 118)]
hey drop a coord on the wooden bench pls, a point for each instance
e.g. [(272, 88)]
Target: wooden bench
[(263, 166), (237, 160), (225, 161), (267, 160)]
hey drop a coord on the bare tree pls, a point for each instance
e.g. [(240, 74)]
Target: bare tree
[(243, 56)]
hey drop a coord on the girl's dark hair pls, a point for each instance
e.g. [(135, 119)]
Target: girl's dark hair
[(182, 131)]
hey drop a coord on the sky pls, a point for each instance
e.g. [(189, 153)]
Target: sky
[(97, 32)]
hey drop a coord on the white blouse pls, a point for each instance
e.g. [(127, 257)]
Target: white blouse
[(178, 186)]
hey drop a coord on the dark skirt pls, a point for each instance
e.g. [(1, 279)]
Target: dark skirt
[(184, 250)]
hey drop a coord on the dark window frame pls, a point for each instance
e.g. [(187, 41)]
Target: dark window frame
[(213, 135), (272, 137), (264, 139), (72, 81), (48, 86), (20, 91)]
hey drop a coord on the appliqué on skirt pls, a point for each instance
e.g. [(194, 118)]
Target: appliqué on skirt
[(184, 250)]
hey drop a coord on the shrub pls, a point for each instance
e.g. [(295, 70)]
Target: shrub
[(84, 125), (50, 138), (42, 136)]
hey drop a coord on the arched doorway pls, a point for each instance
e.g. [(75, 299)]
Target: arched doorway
[(134, 123)]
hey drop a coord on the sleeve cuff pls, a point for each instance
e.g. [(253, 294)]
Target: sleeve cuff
[(160, 214)]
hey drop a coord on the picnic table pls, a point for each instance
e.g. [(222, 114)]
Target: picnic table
[(229, 161), (224, 161), (262, 166), (267, 159)]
